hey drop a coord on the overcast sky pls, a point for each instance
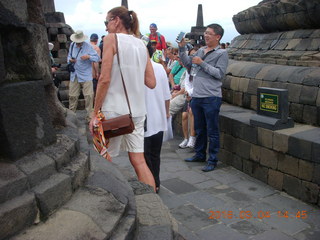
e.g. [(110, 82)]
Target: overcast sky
[(171, 16)]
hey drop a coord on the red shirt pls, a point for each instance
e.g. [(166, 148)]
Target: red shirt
[(161, 42)]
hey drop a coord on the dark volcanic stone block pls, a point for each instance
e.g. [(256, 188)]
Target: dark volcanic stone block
[(302, 143), (25, 124), (294, 92), (309, 115), (292, 185), (296, 112), (308, 95)]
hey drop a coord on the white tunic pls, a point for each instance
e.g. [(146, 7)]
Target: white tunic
[(133, 60), (155, 102)]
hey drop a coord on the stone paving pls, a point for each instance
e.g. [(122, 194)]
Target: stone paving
[(227, 203)]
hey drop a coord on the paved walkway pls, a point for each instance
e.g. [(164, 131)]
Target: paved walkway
[(227, 204)]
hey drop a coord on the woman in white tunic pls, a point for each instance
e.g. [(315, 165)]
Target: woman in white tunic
[(137, 72)]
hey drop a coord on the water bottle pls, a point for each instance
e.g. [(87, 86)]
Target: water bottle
[(194, 69)]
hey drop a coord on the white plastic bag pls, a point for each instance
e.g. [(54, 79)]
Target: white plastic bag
[(167, 135)]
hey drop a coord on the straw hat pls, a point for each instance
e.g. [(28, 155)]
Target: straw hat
[(50, 46), (78, 37)]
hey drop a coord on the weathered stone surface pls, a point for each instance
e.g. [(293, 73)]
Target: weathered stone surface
[(237, 162), (309, 192), (101, 206), (296, 112), (61, 38), (35, 127), (242, 148), (76, 226), (300, 144), (308, 95), (275, 179), (19, 8), (13, 182), (289, 165), (155, 232), (63, 150), (237, 98), (17, 214), (37, 167), (280, 141), (294, 92), (260, 172), (247, 166), (292, 185), (151, 211), (234, 85), (316, 174), (269, 158), (265, 137), (62, 53), (78, 170), (53, 193), (306, 170), (243, 84), (255, 153), (253, 86), (309, 116)]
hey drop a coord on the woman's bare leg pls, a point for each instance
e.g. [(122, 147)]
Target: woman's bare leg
[(142, 170), (185, 125), (191, 119)]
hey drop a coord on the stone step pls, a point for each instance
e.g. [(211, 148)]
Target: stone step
[(92, 213), (17, 214), (13, 182), (63, 150), (52, 193), (78, 170)]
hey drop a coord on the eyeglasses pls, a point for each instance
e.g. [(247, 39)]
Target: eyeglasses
[(210, 33), (107, 21)]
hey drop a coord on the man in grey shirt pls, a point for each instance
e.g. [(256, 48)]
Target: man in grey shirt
[(208, 67)]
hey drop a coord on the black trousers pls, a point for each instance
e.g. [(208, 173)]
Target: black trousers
[(152, 150)]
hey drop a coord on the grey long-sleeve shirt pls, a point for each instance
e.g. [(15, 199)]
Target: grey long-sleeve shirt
[(208, 80)]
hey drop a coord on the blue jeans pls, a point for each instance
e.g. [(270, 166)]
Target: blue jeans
[(206, 124)]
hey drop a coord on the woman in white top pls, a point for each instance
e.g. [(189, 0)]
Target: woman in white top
[(137, 72), (157, 102)]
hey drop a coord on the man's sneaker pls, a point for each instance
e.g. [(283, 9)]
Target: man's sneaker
[(183, 144), (191, 142)]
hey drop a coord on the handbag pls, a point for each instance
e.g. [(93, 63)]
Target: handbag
[(123, 124)]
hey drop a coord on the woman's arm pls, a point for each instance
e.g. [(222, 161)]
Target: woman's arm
[(109, 50), (149, 78)]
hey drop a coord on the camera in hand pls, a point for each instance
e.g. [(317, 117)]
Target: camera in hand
[(70, 67)]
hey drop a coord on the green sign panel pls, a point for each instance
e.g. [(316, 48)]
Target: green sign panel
[(269, 102)]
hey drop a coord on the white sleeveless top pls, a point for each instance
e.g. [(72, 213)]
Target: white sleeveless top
[(133, 61)]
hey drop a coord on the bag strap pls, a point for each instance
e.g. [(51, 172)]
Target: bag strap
[(72, 44), (124, 86)]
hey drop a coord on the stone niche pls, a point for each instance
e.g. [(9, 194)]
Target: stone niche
[(26, 90)]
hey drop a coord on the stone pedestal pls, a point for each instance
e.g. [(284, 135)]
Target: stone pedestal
[(272, 109)]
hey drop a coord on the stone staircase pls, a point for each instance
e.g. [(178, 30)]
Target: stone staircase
[(68, 191)]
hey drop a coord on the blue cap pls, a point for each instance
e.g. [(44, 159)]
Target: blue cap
[(94, 36), (153, 25)]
